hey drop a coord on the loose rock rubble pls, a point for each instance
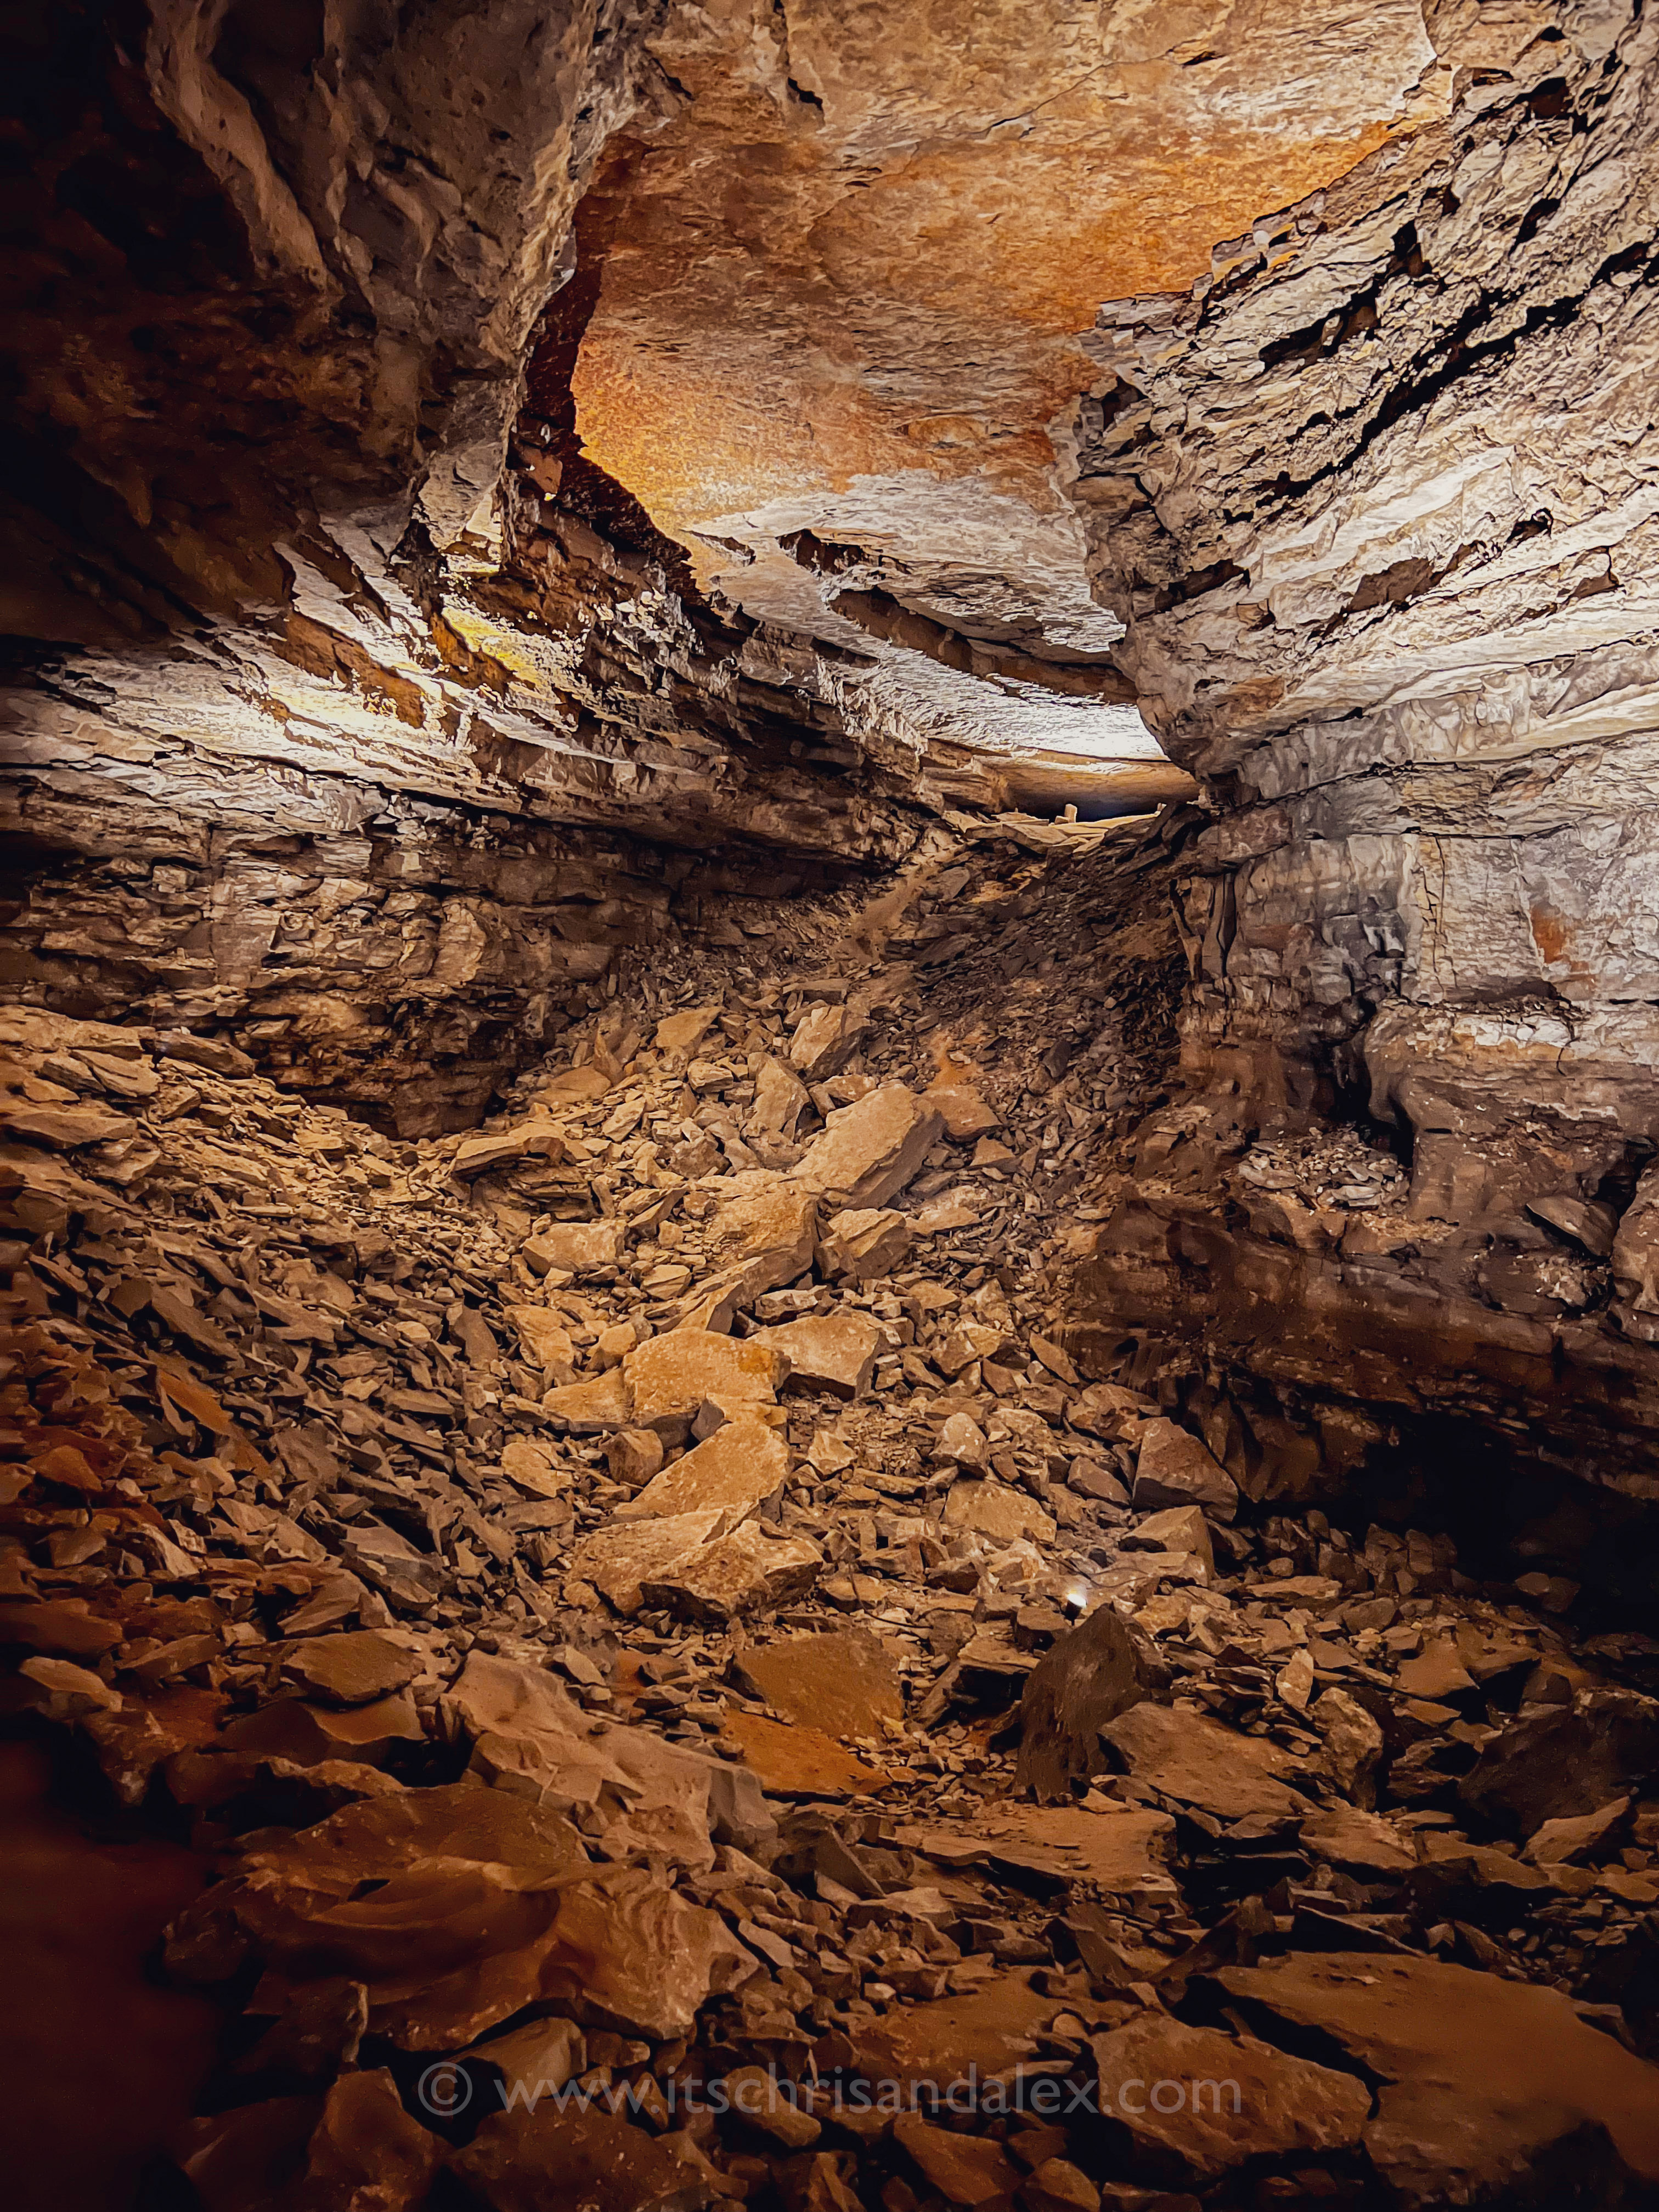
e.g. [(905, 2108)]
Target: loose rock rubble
[(637, 1602)]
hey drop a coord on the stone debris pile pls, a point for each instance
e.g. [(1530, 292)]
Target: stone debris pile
[(686, 1695)]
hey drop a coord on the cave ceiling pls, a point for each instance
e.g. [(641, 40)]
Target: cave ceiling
[(810, 293), (851, 260)]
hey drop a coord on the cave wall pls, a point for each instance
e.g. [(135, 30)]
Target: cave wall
[(316, 729), (1375, 501)]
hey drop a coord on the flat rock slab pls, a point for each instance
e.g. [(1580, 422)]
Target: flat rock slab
[(1194, 1760), (574, 1247), (1483, 2078), (869, 1152), (1176, 1469), (967, 1114), (995, 1509), (793, 1761), (734, 1471), (845, 1683), (1197, 2102), (308, 1733), (350, 1669), (990, 2032), (1121, 1851), (1359, 1843), (835, 1352)]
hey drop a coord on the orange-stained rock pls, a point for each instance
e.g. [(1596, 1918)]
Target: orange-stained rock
[(669, 1376), (845, 1682), (799, 1762)]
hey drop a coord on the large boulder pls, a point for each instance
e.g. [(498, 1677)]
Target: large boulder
[(1087, 1679), (870, 1151), (1568, 1761)]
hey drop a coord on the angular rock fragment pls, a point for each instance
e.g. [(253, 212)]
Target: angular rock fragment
[(305, 1734), (634, 1455), (618, 1560), (350, 1670), (1088, 1677), (668, 1379), (862, 1244), (1558, 1763), (1353, 1745), (834, 1352), (575, 1248), (962, 2169), (543, 1341), (1194, 1760), (766, 1239), (1485, 2081), (366, 2153), (1178, 1528), (824, 1041), (733, 1471), (1174, 1469), (870, 1150), (590, 1408), (967, 1115), (992, 1508), (1215, 2102), (745, 1573)]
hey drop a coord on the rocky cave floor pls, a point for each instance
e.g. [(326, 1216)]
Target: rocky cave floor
[(636, 1601)]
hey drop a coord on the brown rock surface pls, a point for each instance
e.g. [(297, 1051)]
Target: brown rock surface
[(1482, 2081), (835, 1353), (1214, 2100), (745, 1571), (845, 1681), (1184, 1755), (731, 1473), (870, 1150), (1087, 1678)]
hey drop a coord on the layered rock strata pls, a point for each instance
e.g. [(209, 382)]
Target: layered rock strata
[(1373, 500)]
